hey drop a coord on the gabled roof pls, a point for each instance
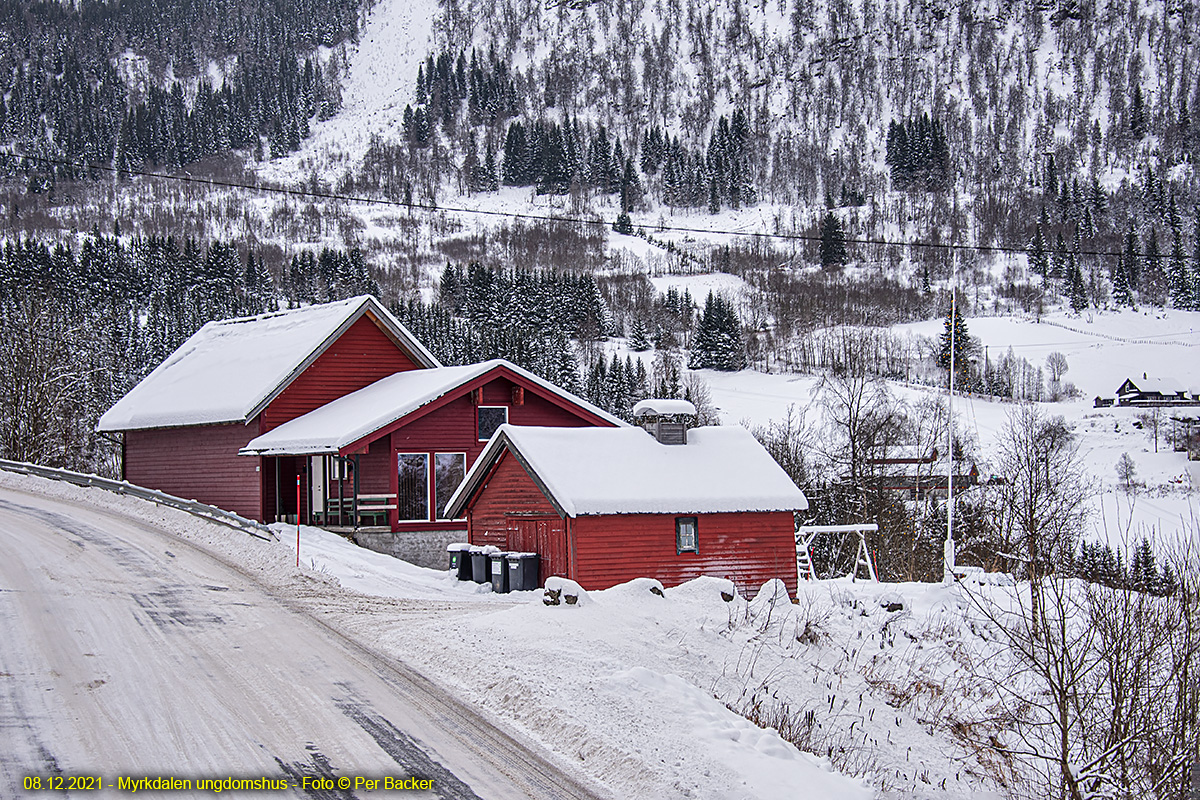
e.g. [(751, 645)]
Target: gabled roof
[(230, 370), (347, 420), (588, 471), (1163, 386)]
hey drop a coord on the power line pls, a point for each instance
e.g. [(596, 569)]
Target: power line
[(430, 207)]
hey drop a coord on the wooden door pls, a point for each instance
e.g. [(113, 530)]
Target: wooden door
[(545, 536)]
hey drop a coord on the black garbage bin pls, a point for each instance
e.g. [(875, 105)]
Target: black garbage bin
[(499, 572), (460, 560), (522, 572), (479, 565)]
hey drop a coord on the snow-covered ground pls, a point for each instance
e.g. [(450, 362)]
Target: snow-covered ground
[(634, 687), (1102, 350)]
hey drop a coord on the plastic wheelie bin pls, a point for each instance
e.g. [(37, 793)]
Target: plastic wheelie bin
[(522, 572), (460, 560)]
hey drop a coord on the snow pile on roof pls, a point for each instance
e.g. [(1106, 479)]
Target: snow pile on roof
[(627, 471), (663, 406), (1165, 386), (225, 371), (350, 418)]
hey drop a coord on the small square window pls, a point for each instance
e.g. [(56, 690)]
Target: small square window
[(686, 538), (490, 418)]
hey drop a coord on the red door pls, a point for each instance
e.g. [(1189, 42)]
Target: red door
[(544, 536)]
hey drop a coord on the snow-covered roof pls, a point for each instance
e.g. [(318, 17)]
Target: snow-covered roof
[(228, 371), (663, 406), (586, 471), (354, 416), (1163, 386)]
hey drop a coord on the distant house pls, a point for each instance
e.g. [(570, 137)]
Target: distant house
[(918, 474), (1146, 391), (340, 397), (602, 506), (1186, 434)]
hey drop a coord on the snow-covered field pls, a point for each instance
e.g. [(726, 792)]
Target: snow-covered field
[(1102, 350)]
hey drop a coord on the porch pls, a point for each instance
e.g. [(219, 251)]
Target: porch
[(336, 492)]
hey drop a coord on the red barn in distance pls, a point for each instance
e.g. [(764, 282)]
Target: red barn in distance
[(341, 396), (602, 506)]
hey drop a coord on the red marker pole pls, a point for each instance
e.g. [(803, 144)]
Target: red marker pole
[(297, 520)]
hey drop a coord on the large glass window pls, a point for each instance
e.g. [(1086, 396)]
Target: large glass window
[(686, 538), (449, 469), (491, 418), (412, 499)]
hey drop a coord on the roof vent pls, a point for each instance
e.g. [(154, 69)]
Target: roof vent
[(665, 419)]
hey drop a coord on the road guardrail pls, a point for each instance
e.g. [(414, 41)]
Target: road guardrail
[(193, 507)]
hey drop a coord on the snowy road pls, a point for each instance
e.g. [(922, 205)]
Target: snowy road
[(126, 651)]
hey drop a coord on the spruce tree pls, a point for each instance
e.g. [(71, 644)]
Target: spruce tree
[(1168, 584), (1143, 569), (964, 346), (1194, 278), (1121, 292), (638, 337), (1076, 288), (1131, 257), (833, 242), (1180, 281), (717, 343), (1137, 113), (1060, 258), (1039, 259)]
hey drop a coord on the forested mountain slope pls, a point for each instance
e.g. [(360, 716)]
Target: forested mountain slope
[(148, 83), (983, 112)]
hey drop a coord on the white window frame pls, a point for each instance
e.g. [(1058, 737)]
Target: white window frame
[(695, 548), (433, 482), (429, 500)]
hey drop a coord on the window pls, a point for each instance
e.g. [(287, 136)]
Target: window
[(490, 418), (412, 497), (449, 469), (686, 540)]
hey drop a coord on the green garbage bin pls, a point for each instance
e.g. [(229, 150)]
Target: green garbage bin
[(460, 560)]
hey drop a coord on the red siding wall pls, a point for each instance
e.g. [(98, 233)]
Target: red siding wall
[(748, 548), (374, 468), (360, 356), (451, 428), (509, 491), (198, 463)]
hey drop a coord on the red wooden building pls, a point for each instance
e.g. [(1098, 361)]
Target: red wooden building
[(342, 397), (604, 506)]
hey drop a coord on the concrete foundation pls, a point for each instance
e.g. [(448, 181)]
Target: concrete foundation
[(423, 548)]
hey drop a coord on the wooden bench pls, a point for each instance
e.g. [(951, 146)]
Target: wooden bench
[(376, 506)]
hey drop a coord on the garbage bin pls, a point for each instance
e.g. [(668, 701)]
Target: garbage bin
[(499, 572), (522, 572), (460, 560), (479, 564)]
